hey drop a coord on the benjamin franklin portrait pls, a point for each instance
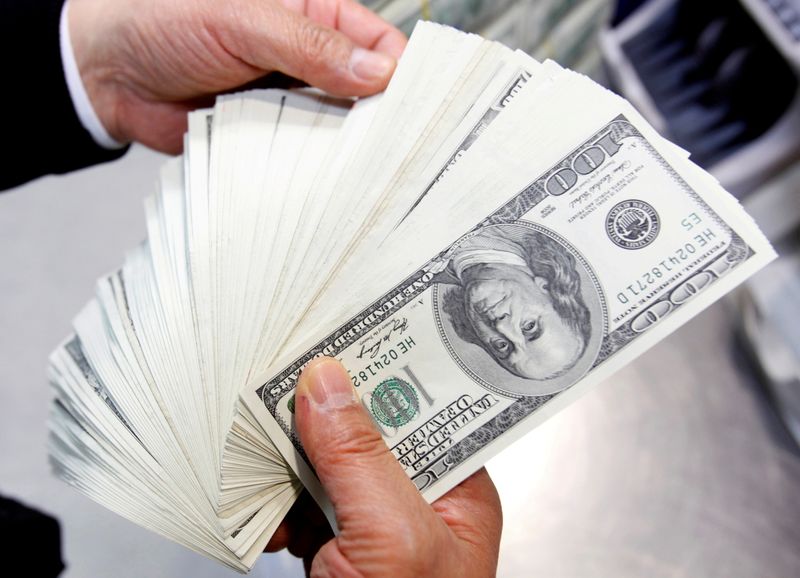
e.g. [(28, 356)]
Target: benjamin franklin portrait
[(519, 295)]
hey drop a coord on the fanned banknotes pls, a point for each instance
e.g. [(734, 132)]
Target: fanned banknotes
[(479, 244)]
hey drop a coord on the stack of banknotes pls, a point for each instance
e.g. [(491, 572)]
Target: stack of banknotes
[(478, 245)]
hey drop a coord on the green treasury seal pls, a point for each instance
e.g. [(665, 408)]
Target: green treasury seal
[(394, 402)]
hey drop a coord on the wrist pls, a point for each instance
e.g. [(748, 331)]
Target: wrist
[(89, 78)]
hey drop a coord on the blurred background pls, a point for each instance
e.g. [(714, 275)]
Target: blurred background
[(686, 463)]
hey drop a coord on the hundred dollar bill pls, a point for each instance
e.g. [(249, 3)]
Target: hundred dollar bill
[(587, 266)]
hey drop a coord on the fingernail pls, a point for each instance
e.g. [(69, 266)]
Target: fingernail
[(370, 65), (327, 383)]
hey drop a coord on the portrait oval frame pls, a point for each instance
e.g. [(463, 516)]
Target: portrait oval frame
[(482, 368)]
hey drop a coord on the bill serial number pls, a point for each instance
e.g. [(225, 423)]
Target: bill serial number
[(667, 267), (382, 361)]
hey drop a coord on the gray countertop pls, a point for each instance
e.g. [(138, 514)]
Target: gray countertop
[(677, 466)]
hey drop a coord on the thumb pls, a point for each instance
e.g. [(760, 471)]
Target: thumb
[(362, 478), (317, 54)]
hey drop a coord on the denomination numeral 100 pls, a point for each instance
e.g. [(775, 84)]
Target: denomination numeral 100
[(585, 162)]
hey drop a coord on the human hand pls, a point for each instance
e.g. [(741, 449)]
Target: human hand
[(303, 531), (146, 63), (386, 528)]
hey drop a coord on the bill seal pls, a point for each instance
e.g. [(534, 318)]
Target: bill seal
[(632, 224), (394, 402)]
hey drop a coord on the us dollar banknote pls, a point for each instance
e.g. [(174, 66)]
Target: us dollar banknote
[(591, 263)]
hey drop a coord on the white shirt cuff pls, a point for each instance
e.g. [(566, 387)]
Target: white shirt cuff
[(80, 100)]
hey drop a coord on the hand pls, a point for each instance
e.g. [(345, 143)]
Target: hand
[(146, 63), (386, 528), (303, 531)]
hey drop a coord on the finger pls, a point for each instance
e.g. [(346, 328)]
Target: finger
[(280, 539), (158, 125), (310, 528), (473, 512), (310, 544), (359, 474), (355, 21), (331, 563), (370, 30), (276, 38)]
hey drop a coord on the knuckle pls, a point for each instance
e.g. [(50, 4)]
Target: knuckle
[(315, 44), (356, 442)]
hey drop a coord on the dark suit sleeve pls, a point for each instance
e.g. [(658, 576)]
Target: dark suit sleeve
[(43, 134)]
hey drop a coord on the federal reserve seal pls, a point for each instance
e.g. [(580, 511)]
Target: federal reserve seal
[(394, 402), (632, 224)]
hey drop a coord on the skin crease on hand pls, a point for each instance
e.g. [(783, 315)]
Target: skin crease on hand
[(146, 63), (385, 526)]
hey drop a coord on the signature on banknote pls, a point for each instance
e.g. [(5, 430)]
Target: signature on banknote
[(371, 346)]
